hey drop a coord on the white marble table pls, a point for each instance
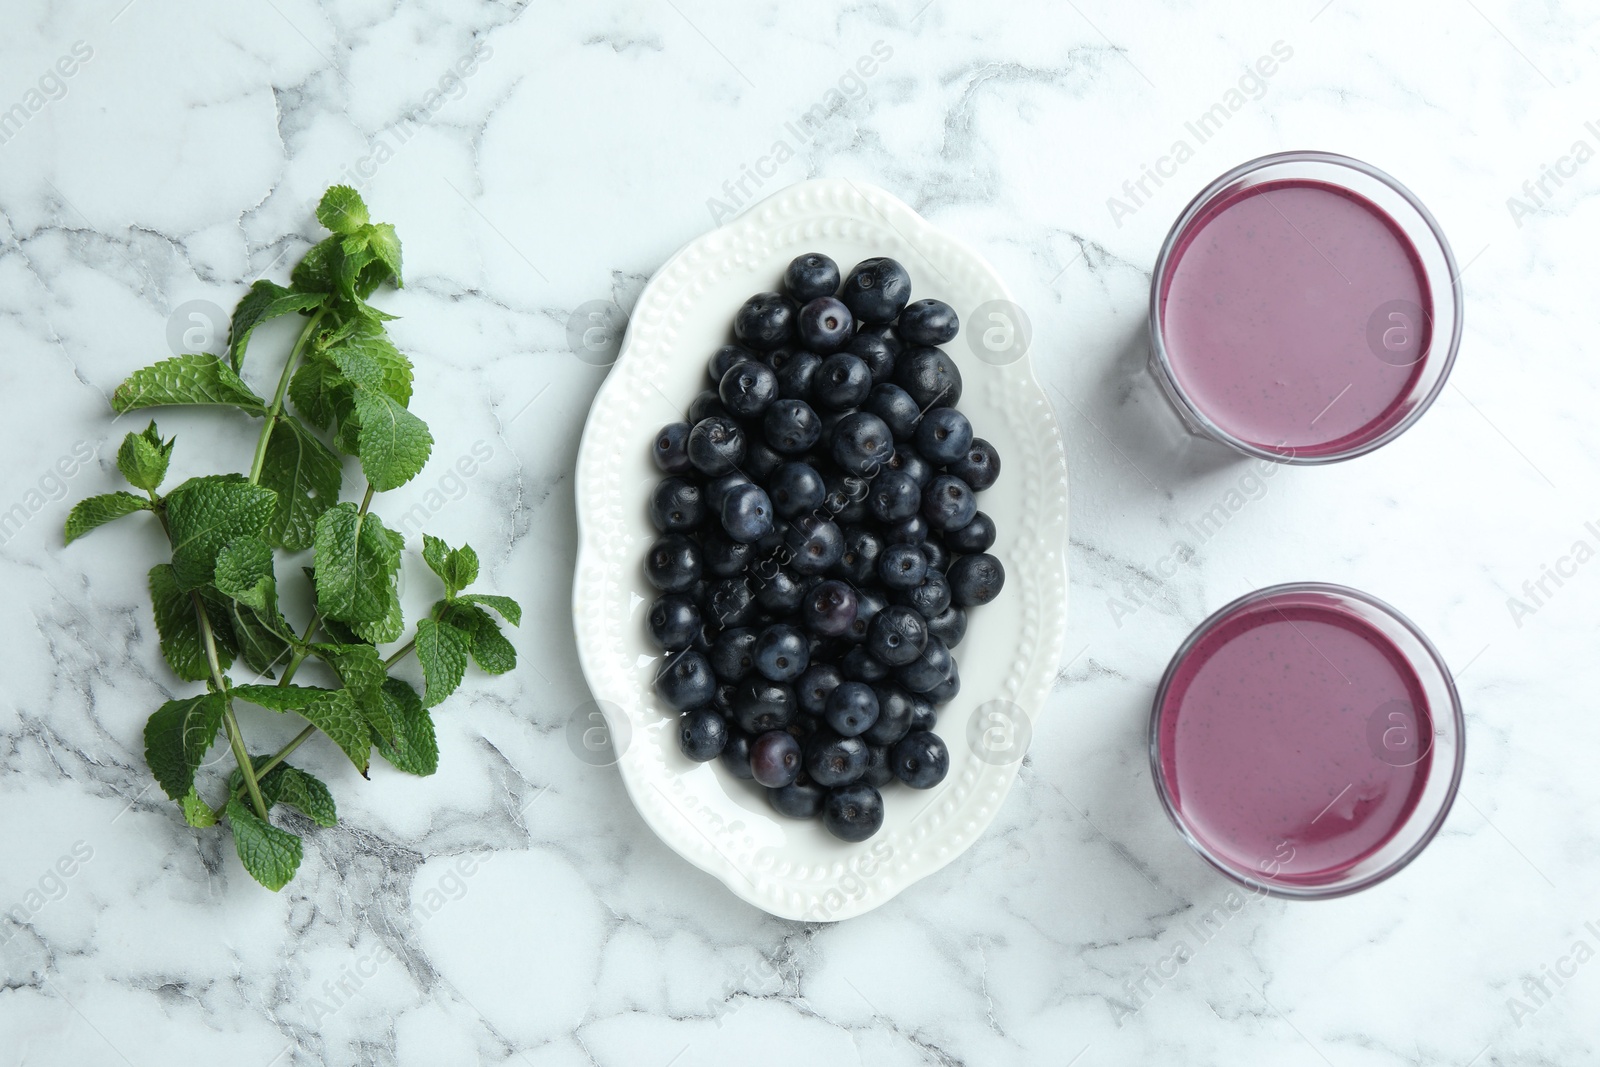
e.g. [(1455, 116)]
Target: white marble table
[(513, 908)]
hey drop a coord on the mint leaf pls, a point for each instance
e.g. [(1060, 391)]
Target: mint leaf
[(304, 792), (204, 514), (244, 573), (315, 272), (313, 391), (143, 458), (490, 649), (286, 784), (179, 629), (218, 611), (363, 674), (359, 667), (260, 643), (268, 788), (98, 510), (280, 697), (385, 245), (457, 568), (197, 812), (339, 714), (177, 737), (265, 300), (368, 358), (340, 633), (356, 362), (415, 748), (370, 315), (373, 275), (393, 443), (333, 711), (508, 608), (347, 438), (442, 650), (195, 378), (381, 723), (342, 210), (357, 565), (388, 628), (307, 478), (436, 554), (356, 280), (358, 271), (272, 856), (462, 570)]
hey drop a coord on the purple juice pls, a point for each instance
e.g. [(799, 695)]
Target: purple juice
[(1294, 739), (1297, 317)]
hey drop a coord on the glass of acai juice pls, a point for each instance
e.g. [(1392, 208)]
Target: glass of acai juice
[(1305, 308), (1307, 740)]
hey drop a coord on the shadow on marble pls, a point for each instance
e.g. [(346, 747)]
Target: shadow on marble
[(1148, 429)]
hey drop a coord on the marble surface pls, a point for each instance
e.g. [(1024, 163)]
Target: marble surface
[(513, 908)]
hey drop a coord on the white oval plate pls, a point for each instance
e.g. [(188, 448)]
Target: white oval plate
[(795, 869)]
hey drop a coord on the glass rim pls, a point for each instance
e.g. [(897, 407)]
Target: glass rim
[(1275, 889), (1168, 377)]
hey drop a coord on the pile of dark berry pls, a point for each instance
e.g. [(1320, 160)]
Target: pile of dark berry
[(820, 544)]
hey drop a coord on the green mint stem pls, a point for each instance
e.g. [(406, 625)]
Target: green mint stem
[(298, 656), (401, 653), (281, 755), (361, 512), (236, 739), (300, 738), (277, 398), (220, 683)]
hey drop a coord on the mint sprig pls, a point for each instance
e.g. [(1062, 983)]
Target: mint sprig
[(217, 601)]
